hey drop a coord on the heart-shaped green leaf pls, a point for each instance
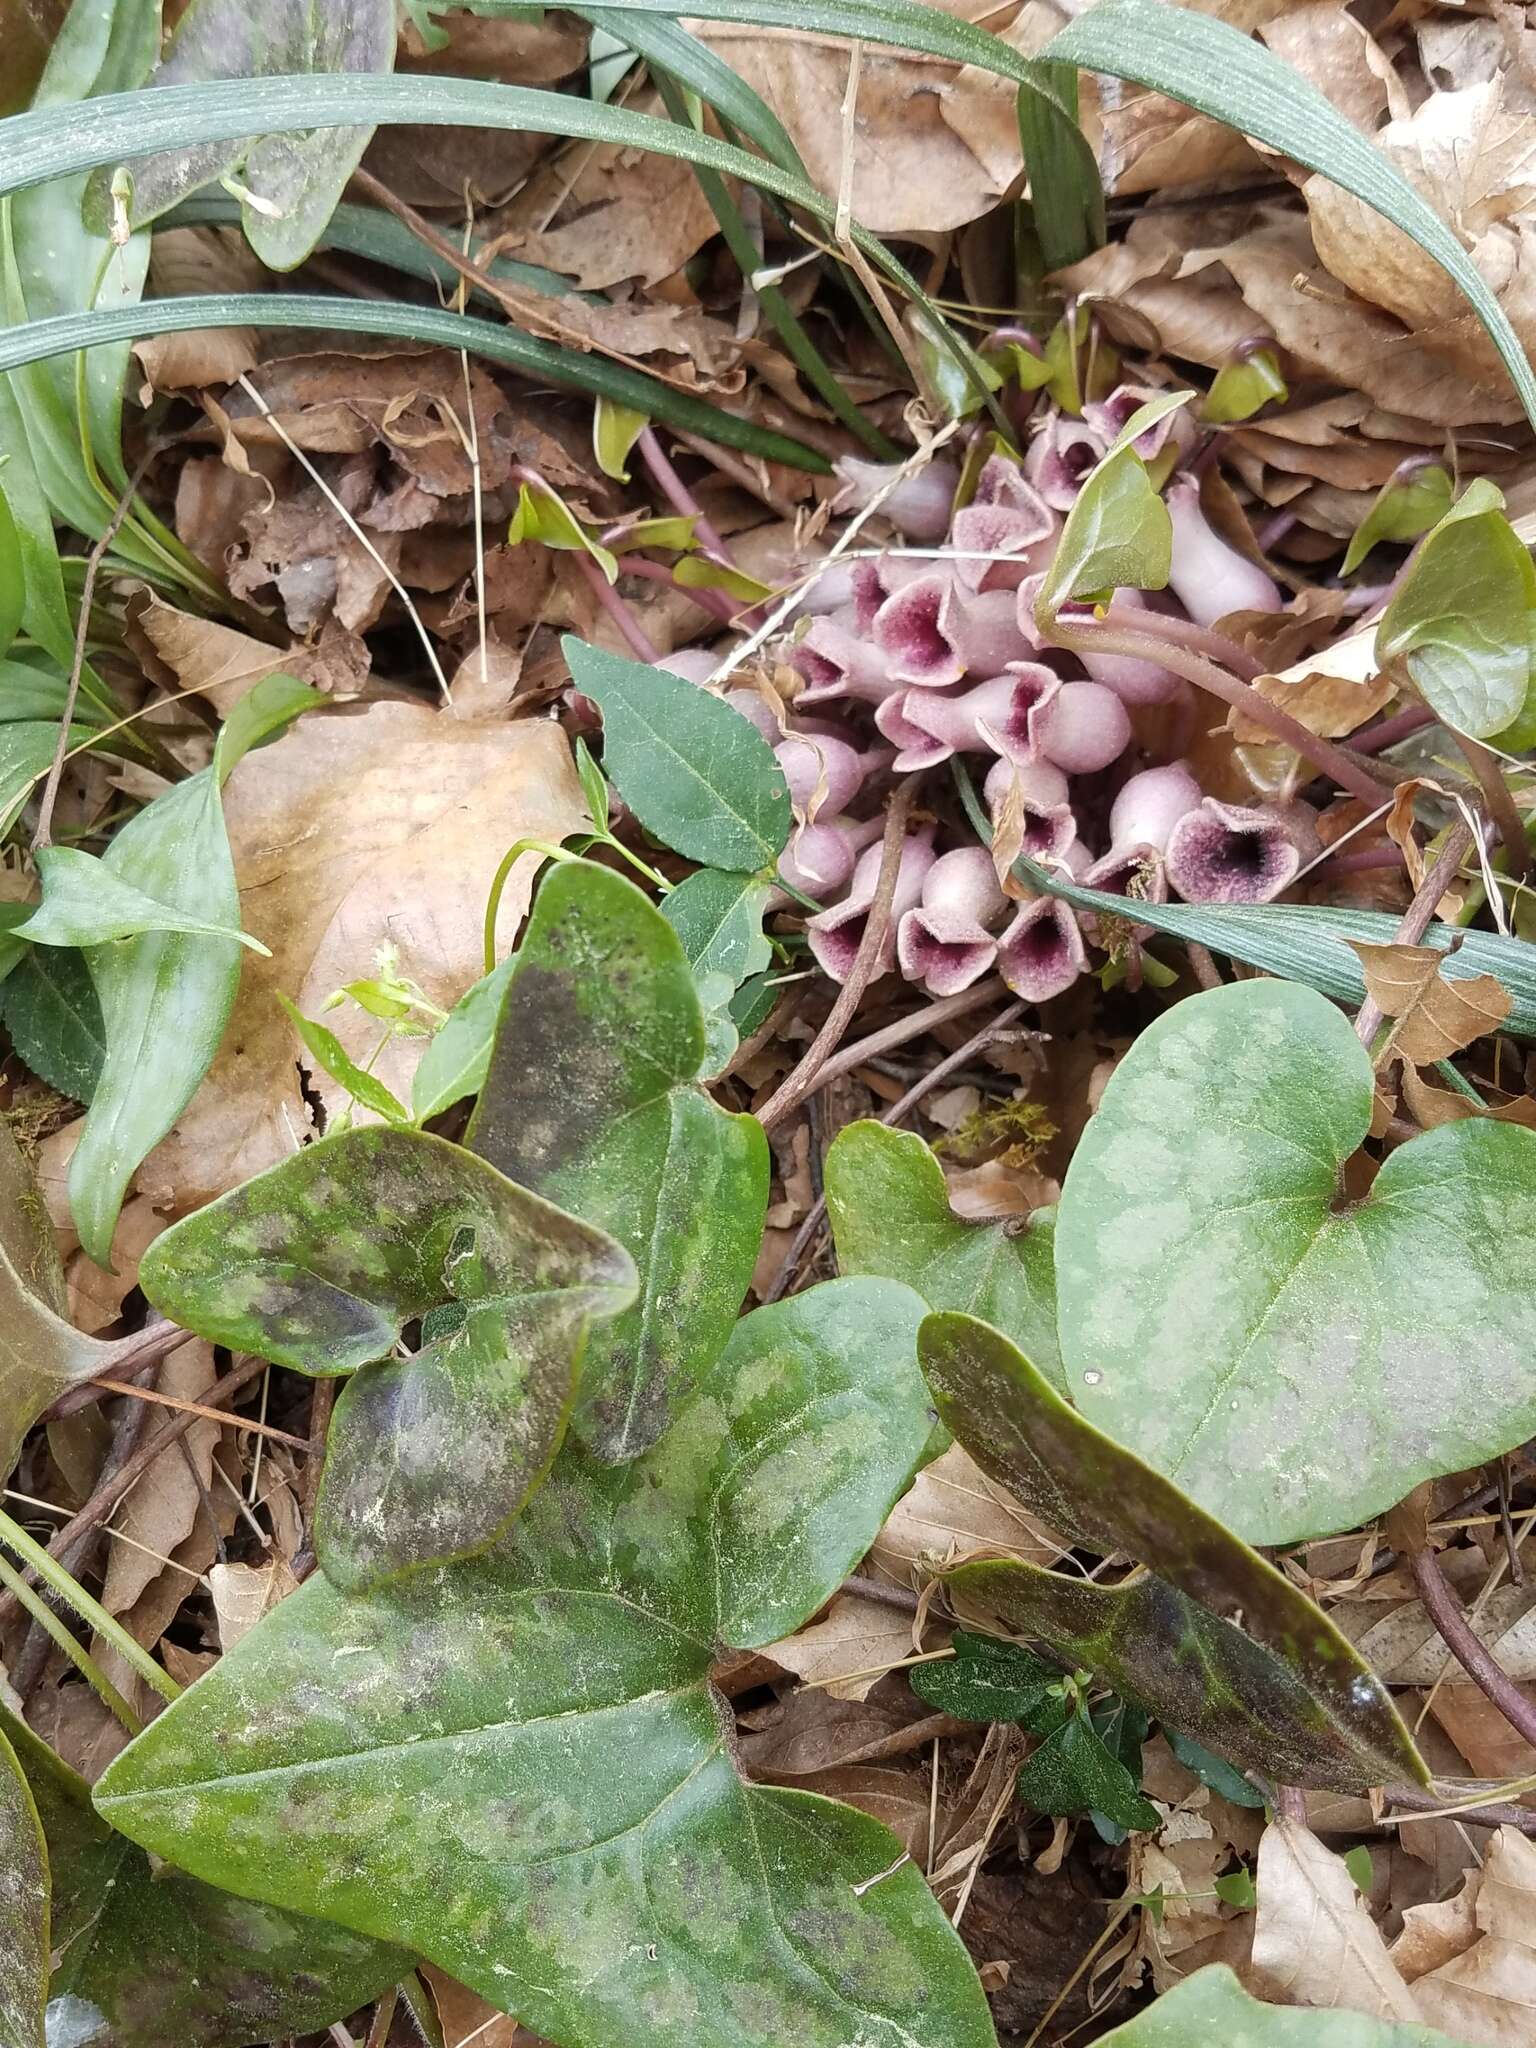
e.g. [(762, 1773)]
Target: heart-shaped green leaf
[(1295, 1361), (40, 1354), (146, 1957), (1402, 510), (890, 1213), (320, 1263), (24, 1909), (518, 1766), (1211, 2006), (1118, 533), (1461, 621), (591, 1100), (691, 768), (1290, 1697), (289, 183)]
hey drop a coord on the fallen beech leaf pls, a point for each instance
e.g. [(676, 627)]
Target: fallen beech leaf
[(376, 826), (221, 663), (1486, 1741), (467, 2021), (1314, 1941), (850, 1649), (1485, 1991), (953, 1512), (162, 1511), (1322, 693), (1435, 1016), (1407, 1649)]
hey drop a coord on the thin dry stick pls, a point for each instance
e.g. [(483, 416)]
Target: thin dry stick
[(1349, 773), (112, 1490), (321, 1404), (1417, 917), (1467, 1647), (300, 1443), (129, 1355), (914, 1025), (810, 1229), (800, 1082), (1495, 1813), (43, 835)]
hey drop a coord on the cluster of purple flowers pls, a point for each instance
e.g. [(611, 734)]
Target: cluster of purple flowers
[(910, 657)]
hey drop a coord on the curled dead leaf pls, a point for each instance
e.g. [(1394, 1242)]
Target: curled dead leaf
[(1435, 1017), (1314, 1941)]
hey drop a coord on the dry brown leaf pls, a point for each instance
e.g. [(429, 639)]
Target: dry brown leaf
[(1432, 1107), (802, 1733), (467, 2019), (243, 1593), (166, 1505), (1483, 1738), (1482, 1991), (379, 825), (184, 260), (953, 1511), (1314, 1941), (850, 1649), (222, 663), (1435, 1016), (1407, 1649), (1323, 700)]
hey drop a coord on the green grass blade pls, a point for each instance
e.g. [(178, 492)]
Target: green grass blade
[(1221, 72), (1069, 211), (567, 368)]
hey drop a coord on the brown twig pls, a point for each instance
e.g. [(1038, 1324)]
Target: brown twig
[(1201, 965), (43, 835), (111, 1490), (1086, 636), (1467, 1647), (122, 1361), (902, 1741), (1496, 1814), (1502, 810), (810, 1229), (1417, 917), (904, 1029), (799, 1083), (883, 1594), (238, 1422), (321, 1404)]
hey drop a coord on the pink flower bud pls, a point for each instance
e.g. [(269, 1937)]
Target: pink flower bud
[(1209, 578), (1028, 799), (918, 506), (820, 770), (944, 943), (1082, 727), (835, 934), (995, 716), (757, 711), (1227, 853), (1133, 680), (1007, 516), (916, 746), (696, 663), (837, 663), (819, 858), (1107, 416), (1150, 805), (1059, 457), (829, 590), (933, 633), (1042, 952), (875, 578)]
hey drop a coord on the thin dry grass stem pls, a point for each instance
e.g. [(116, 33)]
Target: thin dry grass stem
[(237, 1422)]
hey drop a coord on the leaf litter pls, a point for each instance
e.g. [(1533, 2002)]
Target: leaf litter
[(460, 773)]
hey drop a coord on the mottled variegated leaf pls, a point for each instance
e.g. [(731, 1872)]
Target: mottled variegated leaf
[(24, 1909)]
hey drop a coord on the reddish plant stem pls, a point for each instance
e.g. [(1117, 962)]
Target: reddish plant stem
[(716, 602), (913, 1025), (800, 1082), (1416, 919), (1186, 634), (1362, 860), (678, 494), (635, 635), (1470, 1652), (1494, 1815), (1090, 637), (112, 1489), (1388, 731)]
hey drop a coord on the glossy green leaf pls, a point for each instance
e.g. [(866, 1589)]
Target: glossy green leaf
[(889, 1209), (48, 1005), (147, 1957), (267, 709), (324, 1046), (24, 1909), (518, 1767), (543, 516), (40, 1353), (86, 904), (319, 1264), (27, 747), (1071, 1771), (591, 1100), (1401, 512), (455, 1061), (1290, 1697), (987, 1680), (719, 918), (1298, 1362), (1211, 2006), (615, 430), (289, 183), (1212, 1770), (33, 686), (1222, 72), (1118, 533), (694, 771), (165, 997), (1461, 622), (13, 581), (1240, 389)]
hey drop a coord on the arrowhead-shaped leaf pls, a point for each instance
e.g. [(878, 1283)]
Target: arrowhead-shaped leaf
[(320, 1263), (591, 1100), (690, 767), (1298, 1362), (40, 1354), (518, 1765), (1211, 2006), (147, 1957), (24, 1909), (890, 1213), (1285, 1694)]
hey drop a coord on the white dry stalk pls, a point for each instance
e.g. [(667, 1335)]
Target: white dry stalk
[(166, 1563), (331, 498)]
